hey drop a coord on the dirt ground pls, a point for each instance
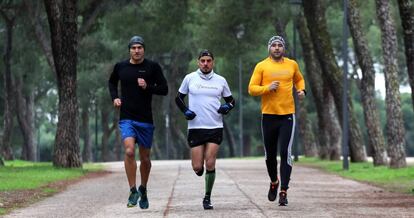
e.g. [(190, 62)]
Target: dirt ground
[(240, 190)]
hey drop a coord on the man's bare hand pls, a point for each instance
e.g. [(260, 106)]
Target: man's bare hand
[(301, 94), (142, 83), (273, 86), (117, 102)]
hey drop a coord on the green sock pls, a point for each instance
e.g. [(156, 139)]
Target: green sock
[(210, 177)]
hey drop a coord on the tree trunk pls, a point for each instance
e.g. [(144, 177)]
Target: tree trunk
[(175, 73), (372, 121), (64, 34), (85, 134), (118, 144), (118, 139), (247, 145), (181, 141), (321, 94), (407, 22), (25, 117), (156, 151), (395, 123), (315, 16), (106, 133), (230, 138), (23, 102), (335, 130), (8, 88), (305, 131)]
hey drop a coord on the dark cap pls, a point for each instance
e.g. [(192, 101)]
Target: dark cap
[(136, 40), (205, 52)]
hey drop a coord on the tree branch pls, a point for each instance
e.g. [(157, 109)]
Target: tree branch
[(93, 10), (40, 33), (54, 14)]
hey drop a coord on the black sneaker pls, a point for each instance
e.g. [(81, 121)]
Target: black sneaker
[(283, 198), (207, 203), (143, 202), (273, 191)]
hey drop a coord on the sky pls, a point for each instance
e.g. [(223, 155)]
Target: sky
[(380, 85)]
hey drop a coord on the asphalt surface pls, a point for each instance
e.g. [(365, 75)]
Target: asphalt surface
[(240, 190)]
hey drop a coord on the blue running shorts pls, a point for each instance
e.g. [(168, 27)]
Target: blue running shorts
[(142, 132)]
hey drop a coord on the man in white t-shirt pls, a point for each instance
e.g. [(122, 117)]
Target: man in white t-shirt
[(205, 113)]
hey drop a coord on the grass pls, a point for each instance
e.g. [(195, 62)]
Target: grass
[(397, 180), (49, 190), (23, 182), (21, 175)]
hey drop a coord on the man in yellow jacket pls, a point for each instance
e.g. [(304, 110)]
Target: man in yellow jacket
[(273, 79)]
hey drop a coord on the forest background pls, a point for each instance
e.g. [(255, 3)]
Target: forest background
[(57, 57)]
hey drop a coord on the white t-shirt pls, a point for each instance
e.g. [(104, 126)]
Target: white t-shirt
[(204, 94)]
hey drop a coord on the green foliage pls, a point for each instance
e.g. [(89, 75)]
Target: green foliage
[(334, 23), (158, 22), (398, 180), (19, 175), (182, 27)]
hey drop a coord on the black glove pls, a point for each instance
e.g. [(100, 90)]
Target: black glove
[(225, 108), (189, 115)]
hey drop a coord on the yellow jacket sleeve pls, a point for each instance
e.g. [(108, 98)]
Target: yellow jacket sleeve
[(298, 79), (255, 85)]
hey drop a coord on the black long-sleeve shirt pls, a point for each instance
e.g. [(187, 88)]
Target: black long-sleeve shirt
[(136, 102)]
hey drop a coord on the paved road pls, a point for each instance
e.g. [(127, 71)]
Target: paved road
[(240, 191)]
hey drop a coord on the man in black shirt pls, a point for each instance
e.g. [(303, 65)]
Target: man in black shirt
[(140, 78)]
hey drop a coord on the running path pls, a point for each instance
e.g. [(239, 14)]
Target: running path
[(240, 190)]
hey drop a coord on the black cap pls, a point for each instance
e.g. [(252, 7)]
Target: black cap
[(205, 52), (136, 40)]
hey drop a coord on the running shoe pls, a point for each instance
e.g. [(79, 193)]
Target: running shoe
[(207, 203), (143, 202), (132, 199), (283, 198), (273, 191)]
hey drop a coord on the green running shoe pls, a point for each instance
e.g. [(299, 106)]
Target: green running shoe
[(143, 202), (133, 199)]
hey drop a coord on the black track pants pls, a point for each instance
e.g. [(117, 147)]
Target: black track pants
[(278, 130)]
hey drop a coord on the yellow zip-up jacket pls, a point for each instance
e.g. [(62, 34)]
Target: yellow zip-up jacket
[(281, 101)]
